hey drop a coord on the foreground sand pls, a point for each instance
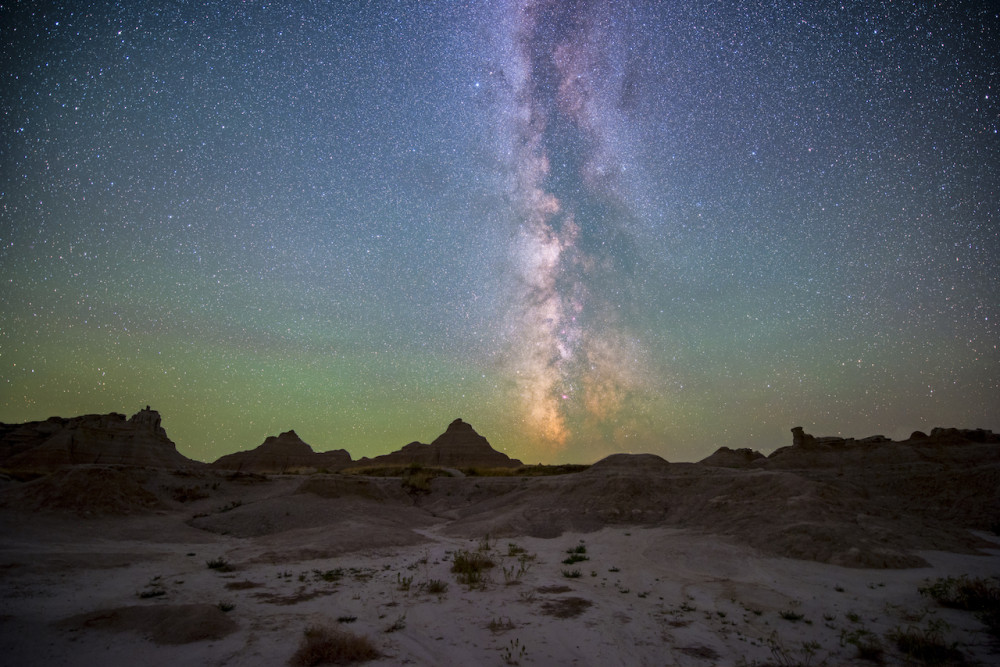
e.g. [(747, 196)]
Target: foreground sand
[(645, 596)]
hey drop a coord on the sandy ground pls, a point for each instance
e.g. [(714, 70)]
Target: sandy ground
[(125, 590)]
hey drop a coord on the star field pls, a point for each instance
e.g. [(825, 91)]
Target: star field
[(583, 227)]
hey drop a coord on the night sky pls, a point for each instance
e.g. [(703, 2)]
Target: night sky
[(583, 227)]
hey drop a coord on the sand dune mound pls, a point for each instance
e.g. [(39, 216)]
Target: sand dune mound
[(85, 491)]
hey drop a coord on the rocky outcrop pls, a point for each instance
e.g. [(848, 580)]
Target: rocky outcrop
[(105, 439), (724, 457), (458, 447), (810, 451), (282, 454)]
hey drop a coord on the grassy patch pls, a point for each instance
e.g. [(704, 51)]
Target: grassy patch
[(869, 645), (470, 566), (980, 595), (436, 587), (322, 645), (926, 645)]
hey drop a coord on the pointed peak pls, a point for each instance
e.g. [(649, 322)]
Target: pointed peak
[(459, 425)]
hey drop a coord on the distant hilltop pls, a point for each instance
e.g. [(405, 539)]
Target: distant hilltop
[(141, 441), (88, 439), (808, 451)]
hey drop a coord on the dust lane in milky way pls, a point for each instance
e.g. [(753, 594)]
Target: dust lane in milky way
[(562, 95)]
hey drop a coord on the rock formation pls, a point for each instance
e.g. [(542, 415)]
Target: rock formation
[(105, 439), (281, 454), (458, 447), (724, 457), (809, 451)]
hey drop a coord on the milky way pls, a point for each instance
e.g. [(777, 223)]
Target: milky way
[(563, 92), (583, 227)]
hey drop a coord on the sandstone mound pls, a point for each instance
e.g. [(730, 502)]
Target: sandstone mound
[(458, 447), (90, 439), (778, 512), (282, 454), (724, 457), (88, 491), (641, 463)]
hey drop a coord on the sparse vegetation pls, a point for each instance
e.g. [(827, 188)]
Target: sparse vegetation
[(501, 624), (403, 583), (226, 606), (328, 575), (219, 565), (322, 645), (470, 566), (436, 587), (869, 645), (397, 625), (790, 615), (571, 574), (514, 652), (784, 657), (926, 644), (346, 619), (515, 550), (980, 595)]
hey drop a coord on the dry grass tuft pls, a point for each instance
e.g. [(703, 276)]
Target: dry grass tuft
[(327, 646)]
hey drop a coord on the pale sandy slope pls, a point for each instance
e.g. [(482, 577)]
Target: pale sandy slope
[(647, 596)]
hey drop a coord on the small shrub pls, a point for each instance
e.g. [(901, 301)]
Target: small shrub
[(575, 558), (502, 624), (219, 564), (328, 575), (792, 616), (403, 583), (513, 653), (869, 646), (322, 645), (980, 596), (926, 645), (346, 619), (470, 566), (226, 606), (436, 586), (571, 574), (514, 550)]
